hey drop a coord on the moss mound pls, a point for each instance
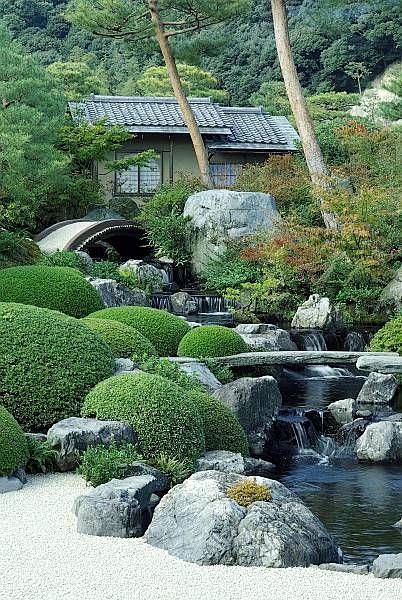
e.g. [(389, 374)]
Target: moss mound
[(121, 338), (58, 288), (162, 329), (389, 338), (48, 363), (247, 492), (13, 444), (210, 341), (162, 414), (221, 428)]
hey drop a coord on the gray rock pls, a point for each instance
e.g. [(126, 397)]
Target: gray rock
[(268, 337), (233, 462), (382, 363), (201, 371), (254, 401), (183, 304), (85, 256), (343, 411), (74, 435), (398, 524), (391, 295), (114, 293), (10, 484), (146, 274), (349, 434), (381, 443), (255, 328), (219, 216), (137, 468), (21, 475), (123, 365), (378, 389), (38, 437), (197, 522), (120, 508), (364, 414), (347, 568), (388, 566), (258, 466), (317, 313)]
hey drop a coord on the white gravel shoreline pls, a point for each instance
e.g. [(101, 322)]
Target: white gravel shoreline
[(42, 557)]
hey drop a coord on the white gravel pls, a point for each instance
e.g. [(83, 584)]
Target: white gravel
[(42, 557)]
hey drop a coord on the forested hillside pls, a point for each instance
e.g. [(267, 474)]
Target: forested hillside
[(328, 46)]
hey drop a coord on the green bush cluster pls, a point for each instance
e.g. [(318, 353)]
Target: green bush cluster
[(389, 338), (64, 258), (41, 457), (15, 249), (246, 492), (163, 329), (211, 341), (125, 341), (48, 363), (13, 444), (58, 288), (160, 412), (100, 464)]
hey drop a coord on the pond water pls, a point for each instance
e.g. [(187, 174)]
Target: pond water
[(358, 503)]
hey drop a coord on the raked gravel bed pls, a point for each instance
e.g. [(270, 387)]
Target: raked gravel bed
[(42, 557)]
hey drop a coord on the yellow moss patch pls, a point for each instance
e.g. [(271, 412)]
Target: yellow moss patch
[(247, 492)]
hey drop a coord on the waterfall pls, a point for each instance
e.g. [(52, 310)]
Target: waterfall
[(211, 304), (300, 435), (161, 301), (325, 371), (309, 340), (356, 341)]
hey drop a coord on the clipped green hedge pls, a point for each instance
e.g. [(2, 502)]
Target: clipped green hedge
[(163, 329), (125, 341), (389, 338), (210, 341), (57, 288), (48, 363), (221, 428), (161, 413), (13, 444)]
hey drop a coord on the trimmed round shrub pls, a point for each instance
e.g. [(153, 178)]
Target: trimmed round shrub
[(221, 428), (48, 363), (246, 492), (163, 329), (58, 288), (389, 338), (13, 444), (210, 341), (160, 412), (121, 338)]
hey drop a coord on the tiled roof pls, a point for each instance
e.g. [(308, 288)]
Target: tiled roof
[(235, 128)]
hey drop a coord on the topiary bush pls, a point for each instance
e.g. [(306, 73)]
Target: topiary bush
[(99, 464), (160, 412), (210, 341), (48, 363), (64, 258), (246, 492), (58, 288), (221, 428), (13, 444), (389, 338), (162, 329), (125, 341)]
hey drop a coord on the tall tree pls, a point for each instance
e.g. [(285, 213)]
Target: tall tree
[(161, 20), (318, 169)]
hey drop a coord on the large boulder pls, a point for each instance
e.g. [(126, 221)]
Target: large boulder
[(380, 362), (199, 523), (219, 216), (115, 294), (317, 313), (147, 274), (267, 337), (343, 411), (74, 435), (378, 389), (254, 401), (120, 508), (199, 370), (388, 566), (233, 462), (183, 304), (392, 294), (381, 443)]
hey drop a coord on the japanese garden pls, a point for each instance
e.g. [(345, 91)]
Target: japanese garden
[(200, 299)]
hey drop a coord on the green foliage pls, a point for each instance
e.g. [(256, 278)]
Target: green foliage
[(160, 412), (196, 82), (15, 249), (162, 218), (13, 444), (124, 341), (392, 110), (48, 362), (210, 341), (64, 258), (223, 373), (228, 270), (77, 78), (99, 464), (222, 429), (41, 457), (58, 288), (272, 97), (246, 492), (163, 329), (170, 370), (176, 470), (389, 338)]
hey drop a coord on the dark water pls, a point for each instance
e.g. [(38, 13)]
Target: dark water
[(358, 503)]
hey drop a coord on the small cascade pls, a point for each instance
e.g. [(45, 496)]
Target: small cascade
[(357, 341), (325, 372), (211, 304), (161, 301), (309, 340)]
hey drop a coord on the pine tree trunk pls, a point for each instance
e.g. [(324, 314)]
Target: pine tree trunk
[(319, 172), (188, 115)]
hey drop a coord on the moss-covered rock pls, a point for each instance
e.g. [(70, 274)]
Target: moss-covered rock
[(247, 492), (211, 341), (125, 341), (13, 444)]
